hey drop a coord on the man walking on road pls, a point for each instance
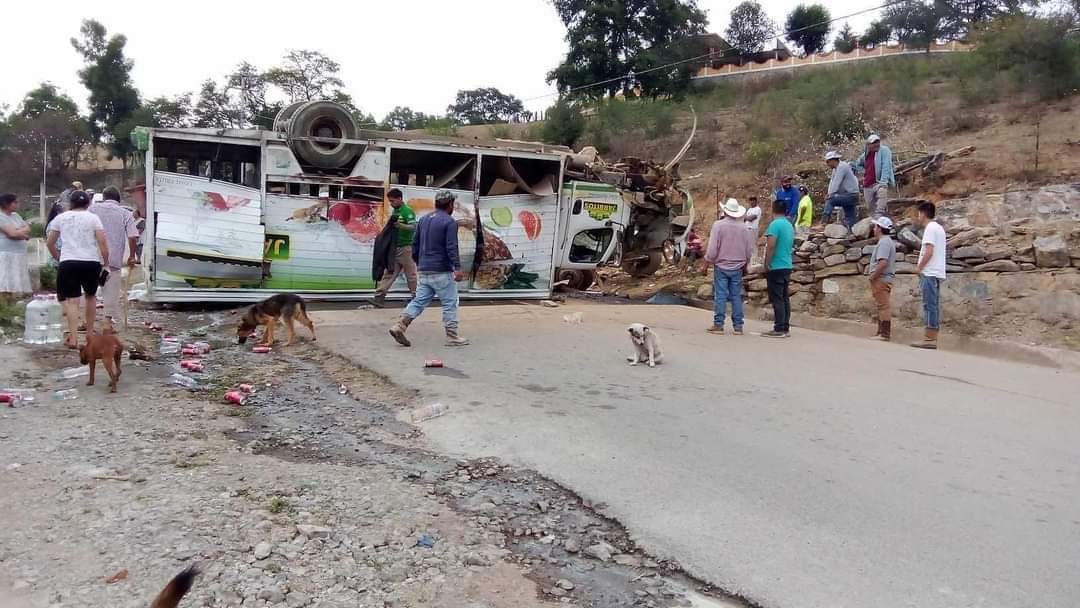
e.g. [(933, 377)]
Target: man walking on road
[(790, 195), (882, 271), (730, 249), (876, 164), (403, 262), (435, 251), (120, 234), (843, 190), (779, 242), (931, 271)]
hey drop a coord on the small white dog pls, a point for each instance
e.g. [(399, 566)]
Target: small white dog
[(646, 345)]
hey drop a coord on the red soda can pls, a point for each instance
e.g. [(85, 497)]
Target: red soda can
[(247, 389), (193, 366), (235, 397), (9, 398), (189, 352), (261, 349), (200, 348), (433, 363), (170, 339)]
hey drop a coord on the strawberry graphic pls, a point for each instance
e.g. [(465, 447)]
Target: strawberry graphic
[(531, 221)]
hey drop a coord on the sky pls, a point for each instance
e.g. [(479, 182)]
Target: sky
[(415, 53)]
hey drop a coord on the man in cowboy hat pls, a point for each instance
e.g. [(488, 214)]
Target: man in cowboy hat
[(882, 271), (876, 165), (730, 249)]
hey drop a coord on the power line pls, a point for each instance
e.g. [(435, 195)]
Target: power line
[(779, 36)]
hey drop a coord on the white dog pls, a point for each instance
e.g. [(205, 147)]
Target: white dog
[(646, 345)]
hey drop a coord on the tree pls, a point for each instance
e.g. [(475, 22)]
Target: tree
[(214, 110), (808, 27), (169, 112), (609, 40), (306, 75), (920, 23), (47, 114), (749, 27), (484, 106), (46, 98), (563, 124), (362, 118), (246, 87), (878, 32), (403, 118), (845, 40), (107, 76)]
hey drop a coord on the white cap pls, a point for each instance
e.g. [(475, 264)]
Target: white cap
[(832, 155), (733, 208), (873, 138), (884, 222), (98, 197)]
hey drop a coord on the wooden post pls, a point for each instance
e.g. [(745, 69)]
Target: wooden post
[(1038, 121)]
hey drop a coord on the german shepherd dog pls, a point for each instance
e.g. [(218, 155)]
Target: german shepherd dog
[(287, 306), (171, 595)]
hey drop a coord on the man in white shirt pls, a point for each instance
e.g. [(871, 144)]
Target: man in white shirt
[(753, 218), (931, 271)]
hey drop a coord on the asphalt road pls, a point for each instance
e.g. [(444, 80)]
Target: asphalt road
[(818, 471)]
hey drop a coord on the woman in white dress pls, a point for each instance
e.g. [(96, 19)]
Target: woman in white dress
[(14, 235)]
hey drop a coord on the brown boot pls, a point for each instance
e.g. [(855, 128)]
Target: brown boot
[(379, 301), (398, 330), (878, 334), (929, 342), (453, 339), (885, 331)]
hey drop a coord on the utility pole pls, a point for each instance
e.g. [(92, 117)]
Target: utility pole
[(44, 210)]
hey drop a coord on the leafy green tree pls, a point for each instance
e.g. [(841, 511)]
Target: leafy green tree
[(920, 23), (808, 27), (403, 118), (749, 27), (306, 75), (47, 98), (563, 124), (214, 109), (846, 40), (170, 112), (484, 106), (611, 40), (878, 32), (107, 76), (247, 89)]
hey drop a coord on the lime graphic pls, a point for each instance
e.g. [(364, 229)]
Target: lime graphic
[(502, 216)]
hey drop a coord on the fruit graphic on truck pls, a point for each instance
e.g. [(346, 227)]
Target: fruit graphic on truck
[(530, 220)]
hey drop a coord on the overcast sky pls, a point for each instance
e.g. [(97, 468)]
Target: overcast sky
[(416, 53)]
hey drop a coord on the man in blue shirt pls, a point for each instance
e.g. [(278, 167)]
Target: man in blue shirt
[(435, 250), (779, 244), (790, 195), (876, 166)]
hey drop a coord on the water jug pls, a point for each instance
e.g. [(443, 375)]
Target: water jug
[(36, 322), (56, 319)]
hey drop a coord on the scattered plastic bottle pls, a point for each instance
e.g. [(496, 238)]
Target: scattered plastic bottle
[(25, 395), (66, 394), (73, 372), (169, 348), (428, 412), (574, 318), (184, 381)]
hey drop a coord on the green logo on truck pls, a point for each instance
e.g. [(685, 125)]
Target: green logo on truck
[(600, 211)]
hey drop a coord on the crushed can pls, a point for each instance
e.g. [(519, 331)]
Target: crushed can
[(247, 389), (261, 349), (189, 352), (9, 399), (200, 348), (192, 365), (235, 397), (433, 362)]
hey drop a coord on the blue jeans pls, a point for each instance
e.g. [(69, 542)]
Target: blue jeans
[(727, 287), (431, 285), (931, 294), (845, 201)]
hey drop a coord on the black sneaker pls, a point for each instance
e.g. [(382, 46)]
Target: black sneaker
[(773, 334)]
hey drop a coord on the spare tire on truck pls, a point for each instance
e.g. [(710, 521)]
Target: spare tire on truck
[(281, 121), (323, 119)]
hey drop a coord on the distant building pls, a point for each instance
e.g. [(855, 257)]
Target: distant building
[(721, 53)]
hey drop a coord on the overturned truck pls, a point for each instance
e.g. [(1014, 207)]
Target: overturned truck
[(235, 214)]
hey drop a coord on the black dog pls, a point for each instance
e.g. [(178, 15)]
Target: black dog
[(287, 306)]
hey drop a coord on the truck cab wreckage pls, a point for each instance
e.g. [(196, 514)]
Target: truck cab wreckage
[(236, 214)]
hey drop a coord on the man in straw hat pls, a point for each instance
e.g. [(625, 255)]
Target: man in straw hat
[(730, 248)]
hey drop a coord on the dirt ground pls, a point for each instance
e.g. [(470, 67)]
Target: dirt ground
[(315, 492)]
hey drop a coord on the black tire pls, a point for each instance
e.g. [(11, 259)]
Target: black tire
[(323, 119), (281, 121), (645, 265), (586, 278)]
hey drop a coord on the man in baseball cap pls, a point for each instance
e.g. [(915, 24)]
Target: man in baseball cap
[(882, 270), (843, 189), (876, 165)]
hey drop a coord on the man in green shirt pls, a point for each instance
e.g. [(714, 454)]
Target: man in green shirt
[(779, 243), (403, 261)]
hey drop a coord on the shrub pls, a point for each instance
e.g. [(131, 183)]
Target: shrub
[(442, 126), (37, 230), (47, 274), (763, 154), (563, 124), (500, 132), (1037, 53)]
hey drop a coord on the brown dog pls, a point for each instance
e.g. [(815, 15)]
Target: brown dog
[(106, 347), (171, 595), (287, 306)]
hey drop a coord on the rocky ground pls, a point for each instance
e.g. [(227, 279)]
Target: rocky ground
[(313, 493)]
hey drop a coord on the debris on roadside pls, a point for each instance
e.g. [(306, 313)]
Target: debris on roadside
[(428, 412)]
